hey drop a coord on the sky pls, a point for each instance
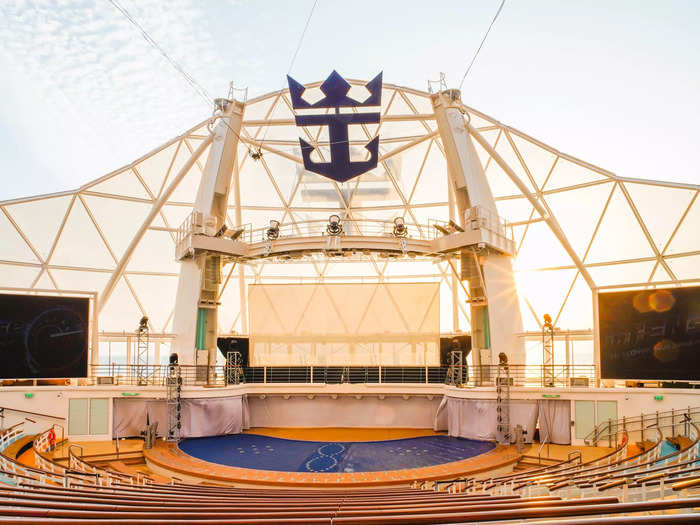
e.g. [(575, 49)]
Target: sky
[(82, 92)]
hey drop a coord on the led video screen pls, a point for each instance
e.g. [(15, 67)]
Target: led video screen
[(650, 334), (43, 337)]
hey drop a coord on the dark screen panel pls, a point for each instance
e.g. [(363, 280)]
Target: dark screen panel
[(43, 337), (650, 334)]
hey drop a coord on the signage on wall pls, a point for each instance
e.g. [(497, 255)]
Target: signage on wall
[(335, 88)]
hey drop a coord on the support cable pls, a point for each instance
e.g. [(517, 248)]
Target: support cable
[(469, 67), (198, 88)]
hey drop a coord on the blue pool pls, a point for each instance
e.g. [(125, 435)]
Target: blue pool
[(289, 455)]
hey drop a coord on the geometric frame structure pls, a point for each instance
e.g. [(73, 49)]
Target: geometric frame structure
[(623, 232)]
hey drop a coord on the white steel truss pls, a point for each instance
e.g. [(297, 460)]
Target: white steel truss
[(577, 227)]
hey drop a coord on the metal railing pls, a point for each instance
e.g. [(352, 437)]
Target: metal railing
[(477, 218), (520, 375), (640, 428)]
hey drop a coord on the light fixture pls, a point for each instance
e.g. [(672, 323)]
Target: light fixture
[(547, 321), (334, 227), (222, 231), (273, 232), (400, 229), (143, 323), (235, 234)]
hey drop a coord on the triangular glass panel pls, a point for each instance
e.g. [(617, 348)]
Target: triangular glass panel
[(119, 220), (154, 169), (567, 173), (619, 236), (539, 240), (577, 313), (12, 276), (422, 104), (505, 150), (83, 280), (578, 211), (186, 190), (661, 207), (40, 220), (538, 160), (13, 247), (155, 253), (258, 109), (79, 232), (125, 183), (157, 296), (432, 184), (516, 210), (44, 282), (121, 310), (660, 275), (687, 238), (684, 267), (631, 273), (256, 186)]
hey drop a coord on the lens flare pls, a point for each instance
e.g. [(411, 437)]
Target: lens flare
[(661, 301), (640, 302), (666, 351)]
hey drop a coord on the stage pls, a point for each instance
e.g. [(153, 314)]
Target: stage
[(255, 458)]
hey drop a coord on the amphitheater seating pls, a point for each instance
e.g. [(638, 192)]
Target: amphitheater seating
[(84, 493)]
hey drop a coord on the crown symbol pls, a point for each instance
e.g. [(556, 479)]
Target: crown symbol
[(335, 88)]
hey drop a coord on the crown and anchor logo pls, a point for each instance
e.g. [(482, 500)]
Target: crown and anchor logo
[(335, 88)]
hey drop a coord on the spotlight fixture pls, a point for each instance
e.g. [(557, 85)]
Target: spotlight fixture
[(222, 231), (548, 321), (400, 229), (235, 234), (334, 227), (143, 323), (273, 232)]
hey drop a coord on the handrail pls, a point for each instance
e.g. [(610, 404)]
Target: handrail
[(595, 435), (32, 413)]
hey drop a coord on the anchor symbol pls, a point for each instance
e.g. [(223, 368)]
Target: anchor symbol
[(335, 89)]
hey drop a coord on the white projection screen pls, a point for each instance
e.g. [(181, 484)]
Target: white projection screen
[(374, 324)]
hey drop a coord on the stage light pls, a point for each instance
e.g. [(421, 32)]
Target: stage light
[(235, 234), (547, 321), (400, 229), (273, 232), (334, 226), (222, 231), (143, 323), (502, 359)]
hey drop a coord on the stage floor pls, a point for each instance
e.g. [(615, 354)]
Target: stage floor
[(254, 459), (254, 451)]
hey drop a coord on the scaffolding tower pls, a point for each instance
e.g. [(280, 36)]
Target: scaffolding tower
[(173, 402), (142, 336), (455, 371), (547, 351), (234, 368), (503, 432)]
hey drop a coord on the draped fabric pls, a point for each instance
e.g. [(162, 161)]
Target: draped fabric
[(476, 418), (200, 416), (555, 421), (344, 411)]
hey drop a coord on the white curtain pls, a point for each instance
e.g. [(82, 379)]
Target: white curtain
[(555, 421), (476, 418), (200, 416)]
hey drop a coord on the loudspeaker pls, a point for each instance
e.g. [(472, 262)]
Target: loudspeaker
[(235, 344), (461, 343)]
